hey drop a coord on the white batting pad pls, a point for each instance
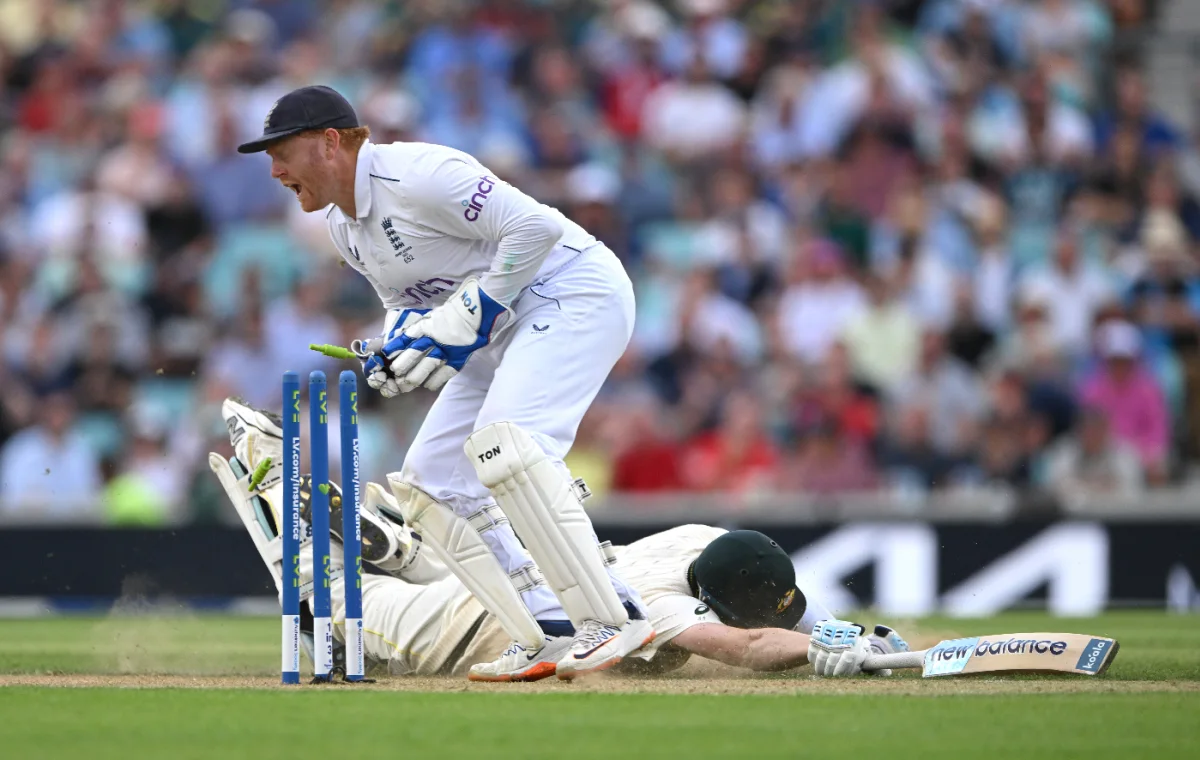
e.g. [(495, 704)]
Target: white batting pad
[(549, 518), (456, 543)]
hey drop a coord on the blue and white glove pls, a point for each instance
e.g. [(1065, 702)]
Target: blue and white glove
[(885, 641), (837, 648), (432, 350), (374, 364)]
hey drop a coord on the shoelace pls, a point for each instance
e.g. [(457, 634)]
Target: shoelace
[(514, 648), (593, 633)]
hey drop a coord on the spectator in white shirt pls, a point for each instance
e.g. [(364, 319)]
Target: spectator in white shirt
[(241, 361), (746, 237), (49, 470), (85, 219), (1092, 463), (291, 324), (1030, 345), (1069, 26), (1004, 130), (712, 323), (1072, 288), (775, 118), (820, 301), (952, 393), (694, 117), (923, 282), (840, 95), (709, 34), (994, 272), (138, 169)]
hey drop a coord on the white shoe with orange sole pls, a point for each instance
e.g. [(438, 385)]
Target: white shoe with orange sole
[(598, 646), (518, 663)]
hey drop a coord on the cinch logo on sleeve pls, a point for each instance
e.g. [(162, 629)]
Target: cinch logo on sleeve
[(1093, 655), (482, 191)]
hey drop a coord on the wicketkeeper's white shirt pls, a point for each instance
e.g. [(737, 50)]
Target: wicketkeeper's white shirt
[(427, 217)]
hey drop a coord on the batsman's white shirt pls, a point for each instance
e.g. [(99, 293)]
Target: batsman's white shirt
[(427, 218), (439, 628)]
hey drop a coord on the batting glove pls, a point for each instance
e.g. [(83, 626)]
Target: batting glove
[(885, 641), (432, 350), (837, 648)]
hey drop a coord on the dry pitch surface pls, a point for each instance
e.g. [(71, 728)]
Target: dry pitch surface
[(206, 687), (715, 681)]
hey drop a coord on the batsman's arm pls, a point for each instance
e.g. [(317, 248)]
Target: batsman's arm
[(754, 648)]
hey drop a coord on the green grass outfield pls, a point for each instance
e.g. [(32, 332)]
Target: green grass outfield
[(1149, 703)]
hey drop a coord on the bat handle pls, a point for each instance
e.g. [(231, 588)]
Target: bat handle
[(895, 660)]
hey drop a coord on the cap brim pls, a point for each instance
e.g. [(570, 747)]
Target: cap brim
[(264, 142)]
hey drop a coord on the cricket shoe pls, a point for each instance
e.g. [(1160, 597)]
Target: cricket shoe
[(518, 663), (599, 646), (257, 438), (253, 479)]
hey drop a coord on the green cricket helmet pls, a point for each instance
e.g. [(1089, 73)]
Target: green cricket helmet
[(749, 581)]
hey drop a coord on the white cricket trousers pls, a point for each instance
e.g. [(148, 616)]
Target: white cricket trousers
[(422, 630), (542, 374)]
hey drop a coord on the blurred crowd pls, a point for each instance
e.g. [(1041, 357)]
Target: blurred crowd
[(896, 245)]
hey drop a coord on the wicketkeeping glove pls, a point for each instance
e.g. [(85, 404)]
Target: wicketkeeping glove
[(374, 364), (431, 350)]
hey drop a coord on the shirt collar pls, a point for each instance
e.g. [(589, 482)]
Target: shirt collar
[(362, 181)]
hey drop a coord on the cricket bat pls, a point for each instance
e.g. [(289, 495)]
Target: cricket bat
[(1006, 653)]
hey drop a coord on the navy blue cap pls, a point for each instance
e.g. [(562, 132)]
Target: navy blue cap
[(315, 107)]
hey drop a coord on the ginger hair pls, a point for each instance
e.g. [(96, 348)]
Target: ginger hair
[(352, 137)]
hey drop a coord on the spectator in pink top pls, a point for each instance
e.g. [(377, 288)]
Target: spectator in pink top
[(1129, 395)]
